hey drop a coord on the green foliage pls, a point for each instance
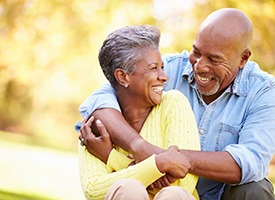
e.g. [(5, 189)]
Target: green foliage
[(48, 53)]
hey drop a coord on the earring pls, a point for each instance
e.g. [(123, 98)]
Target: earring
[(126, 85)]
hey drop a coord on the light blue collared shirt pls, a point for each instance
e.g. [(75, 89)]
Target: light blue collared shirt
[(241, 121)]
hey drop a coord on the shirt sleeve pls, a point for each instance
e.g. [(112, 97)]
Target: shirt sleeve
[(256, 142), (95, 179), (105, 97)]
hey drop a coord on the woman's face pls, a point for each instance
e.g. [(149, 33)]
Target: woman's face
[(146, 83)]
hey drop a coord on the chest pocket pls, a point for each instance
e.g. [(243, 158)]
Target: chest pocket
[(228, 134)]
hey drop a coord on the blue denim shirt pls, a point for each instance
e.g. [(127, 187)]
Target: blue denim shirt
[(241, 121)]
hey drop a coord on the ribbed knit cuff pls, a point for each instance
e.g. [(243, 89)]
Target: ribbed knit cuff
[(117, 161)]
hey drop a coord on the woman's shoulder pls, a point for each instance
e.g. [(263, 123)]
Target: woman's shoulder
[(173, 96)]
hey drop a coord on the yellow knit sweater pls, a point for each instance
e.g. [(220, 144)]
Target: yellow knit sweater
[(170, 123)]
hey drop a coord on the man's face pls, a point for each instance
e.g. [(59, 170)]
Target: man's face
[(215, 63)]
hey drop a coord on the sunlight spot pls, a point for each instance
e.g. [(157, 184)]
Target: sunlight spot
[(166, 39), (161, 9)]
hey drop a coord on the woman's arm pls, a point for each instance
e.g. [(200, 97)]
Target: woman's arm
[(96, 180)]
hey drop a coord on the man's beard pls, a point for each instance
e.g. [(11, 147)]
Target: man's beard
[(213, 91)]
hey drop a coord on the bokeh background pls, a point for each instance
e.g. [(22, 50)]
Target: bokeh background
[(48, 66)]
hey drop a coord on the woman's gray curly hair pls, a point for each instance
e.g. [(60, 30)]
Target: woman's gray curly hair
[(124, 47)]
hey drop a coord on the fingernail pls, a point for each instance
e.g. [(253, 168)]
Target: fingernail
[(98, 121)]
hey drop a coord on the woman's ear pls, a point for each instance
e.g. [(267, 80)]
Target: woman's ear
[(244, 58), (122, 77)]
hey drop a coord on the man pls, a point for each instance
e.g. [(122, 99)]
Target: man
[(234, 105)]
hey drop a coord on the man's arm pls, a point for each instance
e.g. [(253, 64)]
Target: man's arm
[(217, 166), (124, 136), (104, 106)]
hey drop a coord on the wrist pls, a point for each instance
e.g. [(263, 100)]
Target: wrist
[(136, 146), (160, 164)]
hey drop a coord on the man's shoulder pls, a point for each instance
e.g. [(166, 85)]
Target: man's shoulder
[(256, 74), (253, 79), (169, 57)]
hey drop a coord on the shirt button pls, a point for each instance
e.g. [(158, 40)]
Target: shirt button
[(201, 132)]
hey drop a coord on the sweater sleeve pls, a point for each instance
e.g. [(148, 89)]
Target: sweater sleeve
[(180, 129), (95, 179), (117, 161)]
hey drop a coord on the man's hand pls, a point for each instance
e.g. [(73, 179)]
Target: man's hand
[(100, 146), (173, 162)]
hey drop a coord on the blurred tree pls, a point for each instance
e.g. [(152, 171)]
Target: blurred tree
[(48, 51), (262, 15)]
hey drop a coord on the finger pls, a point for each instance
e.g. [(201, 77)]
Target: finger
[(87, 128), (162, 182), (165, 181), (151, 187), (157, 184), (81, 128), (130, 156), (84, 120), (102, 130), (170, 178), (174, 147), (90, 121)]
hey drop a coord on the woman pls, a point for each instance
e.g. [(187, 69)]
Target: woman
[(131, 61)]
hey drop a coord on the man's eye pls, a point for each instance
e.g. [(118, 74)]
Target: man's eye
[(213, 60), (196, 53)]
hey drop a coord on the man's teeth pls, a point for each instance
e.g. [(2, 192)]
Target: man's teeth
[(158, 88), (203, 79)]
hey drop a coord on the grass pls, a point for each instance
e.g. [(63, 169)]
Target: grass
[(30, 172), (8, 195)]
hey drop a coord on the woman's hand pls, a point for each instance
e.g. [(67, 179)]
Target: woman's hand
[(99, 146)]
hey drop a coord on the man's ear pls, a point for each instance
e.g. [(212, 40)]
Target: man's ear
[(244, 58), (121, 77)]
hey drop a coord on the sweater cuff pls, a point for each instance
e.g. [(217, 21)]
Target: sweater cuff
[(117, 161), (149, 171)]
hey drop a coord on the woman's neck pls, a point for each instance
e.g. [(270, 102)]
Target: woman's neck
[(133, 111)]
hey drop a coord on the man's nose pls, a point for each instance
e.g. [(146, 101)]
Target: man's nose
[(201, 65)]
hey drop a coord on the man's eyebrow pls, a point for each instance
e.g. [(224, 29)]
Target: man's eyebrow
[(216, 56), (194, 47)]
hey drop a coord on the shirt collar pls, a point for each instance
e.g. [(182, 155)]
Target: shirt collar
[(238, 87)]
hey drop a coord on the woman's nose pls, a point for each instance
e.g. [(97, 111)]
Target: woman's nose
[(162, 76)]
